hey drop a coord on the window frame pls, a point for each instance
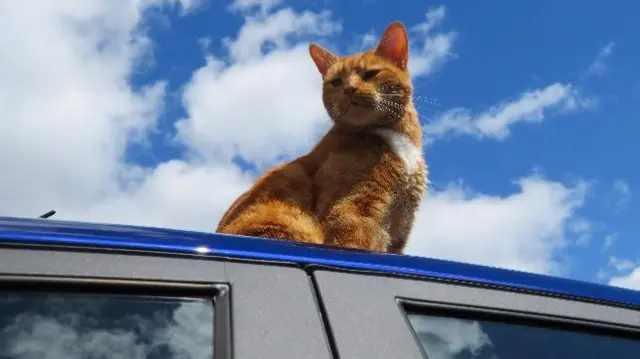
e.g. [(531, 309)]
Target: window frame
[(350, 297), (244, 293)]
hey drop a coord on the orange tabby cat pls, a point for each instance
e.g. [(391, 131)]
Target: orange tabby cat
[(370, 185), (361, 185)]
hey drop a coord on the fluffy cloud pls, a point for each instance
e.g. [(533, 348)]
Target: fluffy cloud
[(522, 230), (73, 111), (367, 41), (248, 5), (430, 50), (631, 280), (260, 107), (627, 273), (275, 29), (530, 106), (67, 107), (175, 194)]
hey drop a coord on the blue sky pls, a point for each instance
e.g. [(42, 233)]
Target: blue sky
[(169, 108)]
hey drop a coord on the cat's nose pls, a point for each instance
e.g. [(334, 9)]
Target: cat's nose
[(349, 90)]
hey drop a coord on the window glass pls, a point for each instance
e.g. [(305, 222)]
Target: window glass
[(454, 338), (76, 326)]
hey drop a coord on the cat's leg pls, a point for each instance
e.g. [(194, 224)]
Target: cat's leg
[(355, 221), (401, 234), (404, 212)]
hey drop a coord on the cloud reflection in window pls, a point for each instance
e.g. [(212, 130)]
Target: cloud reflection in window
[(448, 338), (72, 326)]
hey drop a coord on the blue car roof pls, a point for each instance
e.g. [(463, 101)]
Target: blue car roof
[(54, 232)]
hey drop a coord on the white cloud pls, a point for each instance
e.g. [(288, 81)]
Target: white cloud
[(263, 106), (185, 6), (67, 106), (599, 65), (263, 6), (429, 50), (434, 17), (631, 280), (175, 194), (530, 106), (275, 28), (522, 230), (366, 41), (618, 270)]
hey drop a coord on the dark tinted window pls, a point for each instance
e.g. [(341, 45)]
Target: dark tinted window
[(74, 326), (453, 338)]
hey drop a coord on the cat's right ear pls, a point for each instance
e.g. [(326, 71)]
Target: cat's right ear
[(322, 57), (394, 44)]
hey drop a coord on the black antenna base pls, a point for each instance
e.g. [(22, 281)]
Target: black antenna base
[(48, 214)]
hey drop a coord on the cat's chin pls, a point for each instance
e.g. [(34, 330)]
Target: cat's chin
[(358, 115)]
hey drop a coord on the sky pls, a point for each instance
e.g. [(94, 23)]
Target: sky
[(161, 112)]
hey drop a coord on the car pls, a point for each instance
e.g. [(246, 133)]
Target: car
[(91, 290)]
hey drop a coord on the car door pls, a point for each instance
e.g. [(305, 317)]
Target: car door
[(73, 304), (373, 316)]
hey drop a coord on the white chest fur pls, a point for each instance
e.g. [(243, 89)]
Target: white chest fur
[(402, 147)]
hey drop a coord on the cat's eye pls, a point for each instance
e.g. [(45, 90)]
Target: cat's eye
[(336, 82), (369, 74)]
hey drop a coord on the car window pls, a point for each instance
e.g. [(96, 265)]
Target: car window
[(444, 337), (91, 326)]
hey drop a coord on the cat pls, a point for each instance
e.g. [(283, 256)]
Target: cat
[(369, 187), (362, 183)]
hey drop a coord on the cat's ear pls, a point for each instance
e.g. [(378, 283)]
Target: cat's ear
[(394, 44), (322, 57)]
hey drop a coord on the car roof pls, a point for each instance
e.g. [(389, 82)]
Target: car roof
[(98, 235)]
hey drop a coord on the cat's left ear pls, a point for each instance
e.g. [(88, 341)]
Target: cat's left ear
[(322, 57), (394, 44)]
